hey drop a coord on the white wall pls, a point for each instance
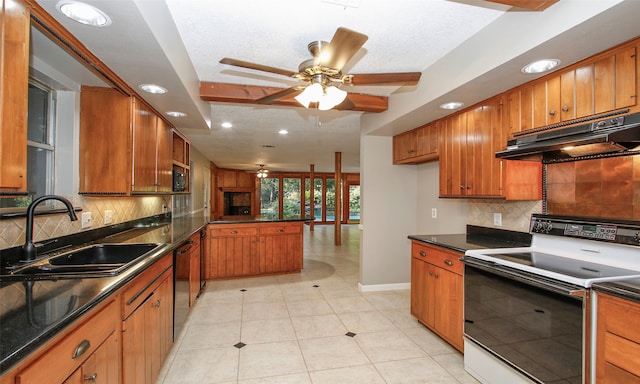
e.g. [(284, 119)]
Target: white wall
[(388, 203), (451, 213)]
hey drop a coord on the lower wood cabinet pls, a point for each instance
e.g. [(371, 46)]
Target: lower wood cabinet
[(88, 352), (436, 291), (617, 341), (252, 249), (147, 322)]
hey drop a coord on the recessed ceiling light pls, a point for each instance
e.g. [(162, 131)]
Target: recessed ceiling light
[(84, 13), (226, 124), (540, 66), (452, 105), (152, 88), (176, 114), (283, 131)]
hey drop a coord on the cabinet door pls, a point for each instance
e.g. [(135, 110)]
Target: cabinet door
[(604, 84), (540, 104), (625, 83), (446, 157), (448, 306), (105, 116), (459, 163), (14, 65), (280, 252), (164, 163), (134, 347), (231, 256), (567, 96), (553, 111), (101, 367), (418, 288), (584, 91), (404, 146), (144, 148), (526, 108)]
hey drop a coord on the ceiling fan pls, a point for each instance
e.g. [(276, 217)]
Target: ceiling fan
[(322, 75)]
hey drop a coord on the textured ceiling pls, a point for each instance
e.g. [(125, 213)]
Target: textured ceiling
[(467, 49)]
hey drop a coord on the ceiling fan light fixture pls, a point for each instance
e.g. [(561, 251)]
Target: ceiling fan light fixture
[(262, 173), (311, 94)]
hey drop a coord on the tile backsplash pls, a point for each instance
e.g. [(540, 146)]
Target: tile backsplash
[(515, 214), (12, 231)]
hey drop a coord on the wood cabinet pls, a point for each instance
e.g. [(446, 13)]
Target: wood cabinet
[(436, 291), (138, 158), (190, 273), (232, 178), (147, 322), (89, 350), (468, 167), (253, 249), (617, 341), (14, 68), (417, 146), (181, 156)]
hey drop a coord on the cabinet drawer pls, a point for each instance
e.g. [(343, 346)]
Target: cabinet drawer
[(279, 229), (136, 291), (449, 260), (233, 231), (59, 361)]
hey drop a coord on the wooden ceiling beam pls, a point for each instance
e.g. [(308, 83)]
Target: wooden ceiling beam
[(531, 5), (250, 94)]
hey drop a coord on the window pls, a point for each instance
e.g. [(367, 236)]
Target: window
[(291, 194), (40, 145), (269, 192)]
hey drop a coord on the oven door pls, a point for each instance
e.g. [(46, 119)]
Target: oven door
[(533, 324)]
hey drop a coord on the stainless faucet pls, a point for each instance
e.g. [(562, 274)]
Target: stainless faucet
[(29, 251)]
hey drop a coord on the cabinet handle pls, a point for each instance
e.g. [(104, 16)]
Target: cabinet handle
[(461, 186), (156, 304), (81, 348), (436, 275), (448, 262), (91, 378), (565, 108), (423, 253), (234, 232), (430, 273), (411, 151), (281, 230), (552, 112)]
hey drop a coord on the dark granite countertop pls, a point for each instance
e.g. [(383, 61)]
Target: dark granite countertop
[(626, 289), (42, 308), (477, 238)]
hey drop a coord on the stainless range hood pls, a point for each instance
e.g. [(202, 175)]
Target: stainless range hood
[(613, 134)]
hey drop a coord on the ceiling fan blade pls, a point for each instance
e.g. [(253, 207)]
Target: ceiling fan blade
[(344, 44), (277, 95), (401, 78), (347, 104), (258, 67)]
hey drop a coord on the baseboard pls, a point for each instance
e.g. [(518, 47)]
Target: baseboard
[(383, 287)]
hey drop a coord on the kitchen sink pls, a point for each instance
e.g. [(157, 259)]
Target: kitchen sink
[(92, 260)]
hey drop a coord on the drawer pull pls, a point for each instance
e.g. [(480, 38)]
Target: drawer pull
[(234, 232), (423, 253), (448, 262), (281, 230), (81, 348), (92, 378), (430, 273), (156, 304)]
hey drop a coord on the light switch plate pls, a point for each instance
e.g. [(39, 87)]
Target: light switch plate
[(497, 219), (86, 220), (434, 213)]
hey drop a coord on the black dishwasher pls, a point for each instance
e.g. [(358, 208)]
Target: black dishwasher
[(181, 287)]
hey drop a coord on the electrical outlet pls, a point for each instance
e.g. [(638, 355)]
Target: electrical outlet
[(497, 219), (434, 213), (86, 220), (108, 216)]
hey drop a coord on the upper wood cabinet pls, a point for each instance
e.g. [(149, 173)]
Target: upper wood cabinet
[(139, 154), (14, 68), (468, 167), (597, 86), (417, 146), (232, 178)]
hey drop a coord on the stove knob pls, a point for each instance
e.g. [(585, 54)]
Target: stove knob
[(548, 227)]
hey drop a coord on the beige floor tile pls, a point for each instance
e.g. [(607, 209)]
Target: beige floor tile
[(350, 375), (388, 300), (215, 365), (297, 378), (350, 304), (213, 313), (203, 336), (301, 293), (265, 331), (308, 307), (388, 346), (262, 294), (309, 327), (428, 341), (415, 371), (454, 364), (270, 359), (401, 318), (332, 352), (265, 310), (368, 321)]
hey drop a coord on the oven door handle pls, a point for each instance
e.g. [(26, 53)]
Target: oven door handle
[(570, 290)]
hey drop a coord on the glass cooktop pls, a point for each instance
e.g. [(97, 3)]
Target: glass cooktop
[(573, 267)]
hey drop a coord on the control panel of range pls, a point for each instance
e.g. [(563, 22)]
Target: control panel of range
[(624, 232)]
